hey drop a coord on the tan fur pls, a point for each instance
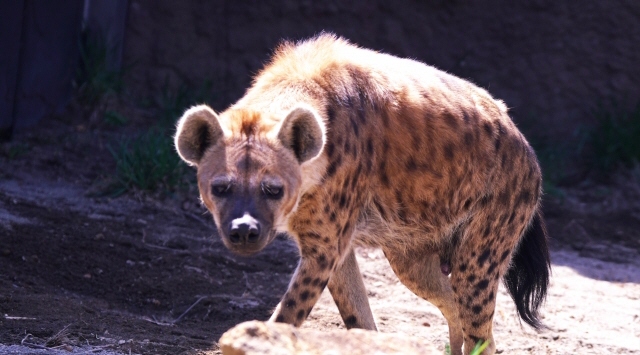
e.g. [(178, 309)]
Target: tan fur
[(420, 163)]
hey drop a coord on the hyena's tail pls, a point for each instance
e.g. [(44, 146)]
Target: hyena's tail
[(528, 277)]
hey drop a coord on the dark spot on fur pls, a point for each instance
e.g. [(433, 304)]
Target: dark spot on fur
[(492, 267), (306, 280), (468, 139), (350, 321), (487, 231), (476, 309), (354, 126), (524, 197), (475, 325), (385, 148), (504, 255), (503, 198), (483, 257), (488, 128), (411, 164), (483, 284), (382, 171), (331, 113), (471, 278), (343, 200), (304, 295), (463, 267), (301, 314), (280, 318), (449, 151), (385, 119), (356, 176), (332, 217), (330, 149), (451, 120), (313, 235), (322, 262), (331, 170), (417, 140), (290, 303), (326, 240)]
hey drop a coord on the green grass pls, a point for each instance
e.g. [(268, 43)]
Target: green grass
[(171, 103), (615, 140), (148, 163), (95, 80), (16, 150), (115, 119), (477, 350)]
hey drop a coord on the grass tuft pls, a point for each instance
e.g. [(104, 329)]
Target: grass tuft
[(147, 162), (95, 80), (615, 141), (171, 103), (477, 350)]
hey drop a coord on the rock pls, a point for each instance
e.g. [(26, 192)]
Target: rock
[(254, 337)]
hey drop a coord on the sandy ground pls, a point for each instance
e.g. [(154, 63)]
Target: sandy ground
[(593, 307)]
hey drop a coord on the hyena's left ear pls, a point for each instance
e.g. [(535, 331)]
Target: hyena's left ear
[(198, 129), (302, 131)]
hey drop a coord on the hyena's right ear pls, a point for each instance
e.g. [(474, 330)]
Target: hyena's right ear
[(197, 130)]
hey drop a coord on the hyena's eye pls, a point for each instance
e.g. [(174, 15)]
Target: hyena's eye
[(272, 191), (221, 190)]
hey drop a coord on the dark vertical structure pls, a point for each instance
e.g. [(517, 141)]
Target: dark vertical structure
[(39, 45), (40, 40)]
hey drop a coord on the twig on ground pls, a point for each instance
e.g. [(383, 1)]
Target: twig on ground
[(31, 345), (175, 321), (19, 318)]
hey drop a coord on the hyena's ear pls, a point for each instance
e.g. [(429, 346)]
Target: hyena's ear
[(302, 131), (197, 130)]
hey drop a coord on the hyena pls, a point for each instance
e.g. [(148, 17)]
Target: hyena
[(339, 146)]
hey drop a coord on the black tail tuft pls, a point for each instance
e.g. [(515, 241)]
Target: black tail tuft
[(528, 277)]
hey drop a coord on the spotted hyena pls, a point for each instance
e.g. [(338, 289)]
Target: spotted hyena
[(340, 146)]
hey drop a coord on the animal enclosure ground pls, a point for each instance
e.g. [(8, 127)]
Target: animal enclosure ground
[(148, 275)]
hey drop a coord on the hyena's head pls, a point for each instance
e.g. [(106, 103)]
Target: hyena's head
[(249, 168)]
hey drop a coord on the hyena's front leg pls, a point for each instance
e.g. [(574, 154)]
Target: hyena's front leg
[(349, 294), (309, 280)]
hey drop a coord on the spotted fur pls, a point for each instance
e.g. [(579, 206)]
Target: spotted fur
[(341, 146)]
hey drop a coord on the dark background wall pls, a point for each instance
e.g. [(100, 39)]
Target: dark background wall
[(38, 55), (553, 62)]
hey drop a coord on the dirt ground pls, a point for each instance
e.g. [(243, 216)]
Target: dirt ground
[(148, 275)]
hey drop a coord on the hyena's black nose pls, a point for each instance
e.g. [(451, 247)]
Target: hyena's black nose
[(245, 229)]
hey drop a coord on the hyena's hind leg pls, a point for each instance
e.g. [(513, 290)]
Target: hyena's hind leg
[(349, 294), (423, 275), (478, 264)]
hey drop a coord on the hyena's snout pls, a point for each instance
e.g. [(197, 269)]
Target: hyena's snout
[(246, 235), (244, 230)]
